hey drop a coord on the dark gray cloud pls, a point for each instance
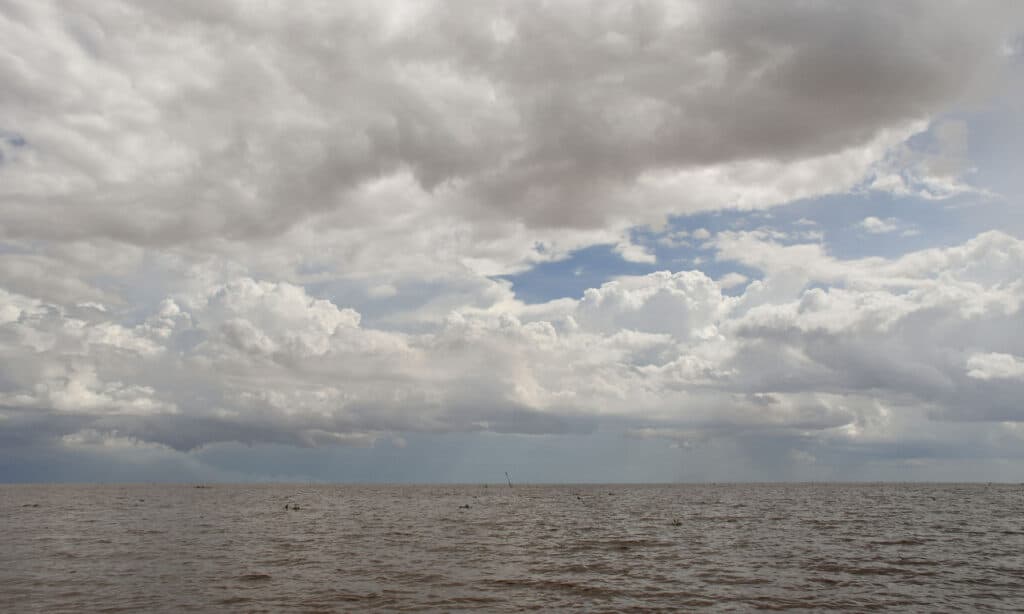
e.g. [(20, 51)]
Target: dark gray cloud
[(159, 124)]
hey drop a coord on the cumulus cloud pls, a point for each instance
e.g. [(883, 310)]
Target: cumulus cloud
[(278, 223), (265, 361), (995, 366), (877, 226), (731, 280)]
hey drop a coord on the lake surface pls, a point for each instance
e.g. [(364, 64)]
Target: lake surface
[(594, 547)]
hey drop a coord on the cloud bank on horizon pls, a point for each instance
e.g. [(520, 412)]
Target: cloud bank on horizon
[(351, 224)]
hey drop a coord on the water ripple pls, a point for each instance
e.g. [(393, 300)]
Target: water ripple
[(594, 548)]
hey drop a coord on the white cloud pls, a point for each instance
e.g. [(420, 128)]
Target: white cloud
[(632, 252), (731, 280), (877, 226), (936, 171), (812, 347), (995, 365), (682, 304)]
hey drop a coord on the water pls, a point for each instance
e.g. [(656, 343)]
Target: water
[(593, 548)]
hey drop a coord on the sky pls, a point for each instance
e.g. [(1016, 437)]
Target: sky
[(575, 241)]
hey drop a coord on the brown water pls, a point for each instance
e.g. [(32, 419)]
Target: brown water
[(614, 548)]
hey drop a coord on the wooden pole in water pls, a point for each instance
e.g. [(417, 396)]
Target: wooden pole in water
[(509, 479)]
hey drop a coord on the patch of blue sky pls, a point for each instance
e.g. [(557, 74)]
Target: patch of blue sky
[(21, 247), (11, 138), (384, 307), (10, 141), (904, 224), (996, 146), (916, 223), (570, 277), (142, 290)]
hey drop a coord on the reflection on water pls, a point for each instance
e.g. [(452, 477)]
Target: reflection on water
[(593, 547)]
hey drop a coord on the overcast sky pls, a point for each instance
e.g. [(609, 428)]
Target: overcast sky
[(575, 241)]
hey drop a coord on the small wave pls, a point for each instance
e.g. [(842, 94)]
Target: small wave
[(254, 577), (907, 541), (234, 600)]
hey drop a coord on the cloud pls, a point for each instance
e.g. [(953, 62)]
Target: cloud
[(878, 226), (935, 170), (995, 366), (163, 126), (270, 223), (834, 349), (731, 280), (631, 252)]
